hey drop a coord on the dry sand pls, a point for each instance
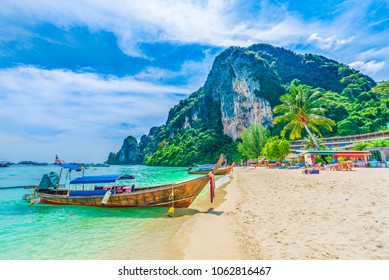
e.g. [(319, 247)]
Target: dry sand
[(283, 214)]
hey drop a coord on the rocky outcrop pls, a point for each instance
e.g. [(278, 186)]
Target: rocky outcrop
[(237, 83), (128, 153)]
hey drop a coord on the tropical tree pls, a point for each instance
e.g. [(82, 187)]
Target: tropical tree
[(253, 140), (379, 142), (301, 108), (360, 146), (382, 90), (375, 143), (309, 144), (276, 148)]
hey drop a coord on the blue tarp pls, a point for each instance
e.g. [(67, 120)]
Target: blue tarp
[(71, 166), (49, 180), (96, 179)]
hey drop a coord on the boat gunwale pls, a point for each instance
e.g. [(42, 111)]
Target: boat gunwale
[(222, 171)]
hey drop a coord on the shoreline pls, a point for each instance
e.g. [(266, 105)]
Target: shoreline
[(279, 214), (200, 237)]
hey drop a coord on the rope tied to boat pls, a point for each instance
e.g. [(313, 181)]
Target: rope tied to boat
[(170, 212), (171, 196), (212, 186)]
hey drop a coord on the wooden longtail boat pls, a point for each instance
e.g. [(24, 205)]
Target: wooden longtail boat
[(220, 171), (4, 164), (180, 194)]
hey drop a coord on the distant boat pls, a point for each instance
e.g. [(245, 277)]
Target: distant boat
[(205, 169), (117, 191), (28, 162), (98, 165), (4, 164), (101, 165)]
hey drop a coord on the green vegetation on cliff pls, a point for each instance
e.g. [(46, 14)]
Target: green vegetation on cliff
[(193, 146), (367, 112)]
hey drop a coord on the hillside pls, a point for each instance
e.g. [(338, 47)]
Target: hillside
[(242, 87)]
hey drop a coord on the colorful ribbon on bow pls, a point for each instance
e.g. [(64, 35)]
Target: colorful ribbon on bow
[(211, 177)]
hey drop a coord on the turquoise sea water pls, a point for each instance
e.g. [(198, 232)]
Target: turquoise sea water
[(79, 232)]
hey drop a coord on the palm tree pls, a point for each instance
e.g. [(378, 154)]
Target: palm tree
[(301, 109), (360, 146), (310, 144), (377, 143)]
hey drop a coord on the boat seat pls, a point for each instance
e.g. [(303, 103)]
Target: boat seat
[(128, 189)]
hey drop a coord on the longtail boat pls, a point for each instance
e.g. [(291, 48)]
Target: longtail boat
[(206, 170), (180, 194), (4, 164)]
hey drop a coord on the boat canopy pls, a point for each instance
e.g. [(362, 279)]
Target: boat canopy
[(71, 166), (206, 166), (100, 179)]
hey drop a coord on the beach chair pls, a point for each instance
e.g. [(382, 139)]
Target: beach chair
[(349, 165), (335, 167)]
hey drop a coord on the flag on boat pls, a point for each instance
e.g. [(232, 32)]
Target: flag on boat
[(57, 160)]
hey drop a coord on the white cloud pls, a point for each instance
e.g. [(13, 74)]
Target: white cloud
[(192, 72), (73, 112), (379, 71), (216, 23), (379, 22), (329, 43), (369, 67), (374, 53)]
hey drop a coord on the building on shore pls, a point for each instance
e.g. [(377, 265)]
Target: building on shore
[(342, 142)]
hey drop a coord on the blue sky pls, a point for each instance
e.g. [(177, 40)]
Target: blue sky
[(77, 77)]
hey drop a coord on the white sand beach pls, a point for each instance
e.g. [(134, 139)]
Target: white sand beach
[(283, 214)]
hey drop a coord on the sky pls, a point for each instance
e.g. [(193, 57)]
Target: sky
[(77, 77)]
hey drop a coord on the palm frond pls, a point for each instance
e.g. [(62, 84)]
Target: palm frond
[(302, 106)]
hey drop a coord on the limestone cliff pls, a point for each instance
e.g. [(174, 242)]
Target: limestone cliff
[(237, 83)]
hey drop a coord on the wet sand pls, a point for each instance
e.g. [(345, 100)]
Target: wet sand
[(283, 214)]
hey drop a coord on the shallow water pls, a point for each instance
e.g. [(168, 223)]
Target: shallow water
[(79, 232)]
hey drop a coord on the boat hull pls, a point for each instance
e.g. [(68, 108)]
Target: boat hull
[(178, 195)]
